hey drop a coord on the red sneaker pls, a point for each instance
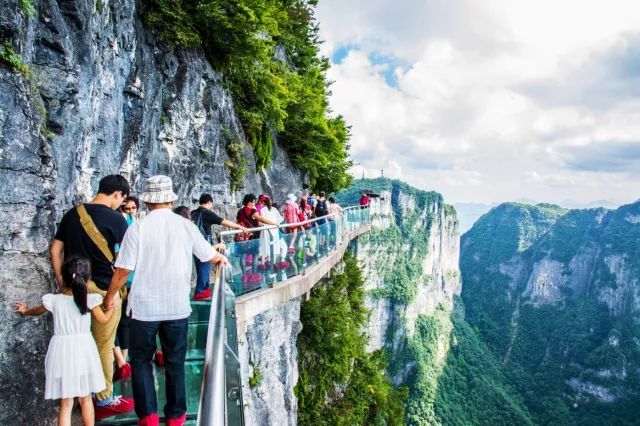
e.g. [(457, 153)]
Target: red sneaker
[(159, 358), (205, 294), (150, 420), (180, 421), (117, 406), (122, 372)]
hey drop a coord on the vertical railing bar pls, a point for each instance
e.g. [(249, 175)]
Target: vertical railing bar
[(235, 408), (211, 410)]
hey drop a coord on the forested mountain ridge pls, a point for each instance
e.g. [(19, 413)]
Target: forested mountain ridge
[(555, 294), (410, 264)]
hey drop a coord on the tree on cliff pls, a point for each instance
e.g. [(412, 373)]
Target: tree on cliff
[(268, 52)]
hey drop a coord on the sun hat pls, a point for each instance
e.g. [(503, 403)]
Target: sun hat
[(158, 190), (291, 198)]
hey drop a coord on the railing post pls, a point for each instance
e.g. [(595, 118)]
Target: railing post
[(303, 243)]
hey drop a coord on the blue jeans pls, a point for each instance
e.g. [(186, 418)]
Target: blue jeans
[(142, 346), (203, 269)]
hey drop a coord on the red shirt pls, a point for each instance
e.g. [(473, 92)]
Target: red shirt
[(245, 218)]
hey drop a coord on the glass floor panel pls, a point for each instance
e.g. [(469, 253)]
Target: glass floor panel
[(193, 380), (200, 311)]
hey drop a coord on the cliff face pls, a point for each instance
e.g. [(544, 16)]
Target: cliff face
[(102, 96), (556, 295), (410, 262), (269, 366)]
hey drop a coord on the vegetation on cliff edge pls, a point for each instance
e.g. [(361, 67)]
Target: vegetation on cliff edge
[(340, 383), (403, 245), (268, 54)]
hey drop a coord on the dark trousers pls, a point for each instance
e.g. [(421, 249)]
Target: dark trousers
[(122, 334), (173, 339), (203, 269)]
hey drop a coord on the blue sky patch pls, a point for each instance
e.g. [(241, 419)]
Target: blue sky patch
[(341, 52), (389, 63)]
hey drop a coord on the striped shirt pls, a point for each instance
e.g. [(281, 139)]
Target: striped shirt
[(291, 212)]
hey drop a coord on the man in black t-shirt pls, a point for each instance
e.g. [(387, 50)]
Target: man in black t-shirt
[(71, 239), (204, 218)]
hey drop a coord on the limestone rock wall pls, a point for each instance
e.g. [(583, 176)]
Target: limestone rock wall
[(269, 366)]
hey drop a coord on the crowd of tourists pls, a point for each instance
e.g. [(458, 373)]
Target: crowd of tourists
[(124, 282), (275, 249)]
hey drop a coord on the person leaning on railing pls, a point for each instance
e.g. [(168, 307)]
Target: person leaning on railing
[(365, 199), (204, 217), (270, 239), (246, 242)]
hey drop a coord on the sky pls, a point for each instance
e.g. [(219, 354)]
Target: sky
[(491, 101)]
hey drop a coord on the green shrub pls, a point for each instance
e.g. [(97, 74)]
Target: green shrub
[(340, 383), (237, 163), (27, 7), (256, 377), (13, 60)]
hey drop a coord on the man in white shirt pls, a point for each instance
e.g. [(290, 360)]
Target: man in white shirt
[(160, 249)]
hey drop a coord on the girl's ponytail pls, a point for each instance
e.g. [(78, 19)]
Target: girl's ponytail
[(79, 289), (75, 273)]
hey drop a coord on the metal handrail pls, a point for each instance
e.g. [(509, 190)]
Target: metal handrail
[(211, 411), (287, 225)]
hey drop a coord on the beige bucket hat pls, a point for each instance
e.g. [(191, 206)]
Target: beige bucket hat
[(158, 189)]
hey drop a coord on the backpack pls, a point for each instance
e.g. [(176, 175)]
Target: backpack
[(321, 208), (200, 224)]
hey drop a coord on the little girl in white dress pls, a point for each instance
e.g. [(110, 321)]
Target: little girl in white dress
[(72, 364)]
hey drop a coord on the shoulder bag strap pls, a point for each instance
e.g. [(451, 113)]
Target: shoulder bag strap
[(94, 233)]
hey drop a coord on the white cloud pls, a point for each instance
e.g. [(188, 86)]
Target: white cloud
[(491, 101)]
